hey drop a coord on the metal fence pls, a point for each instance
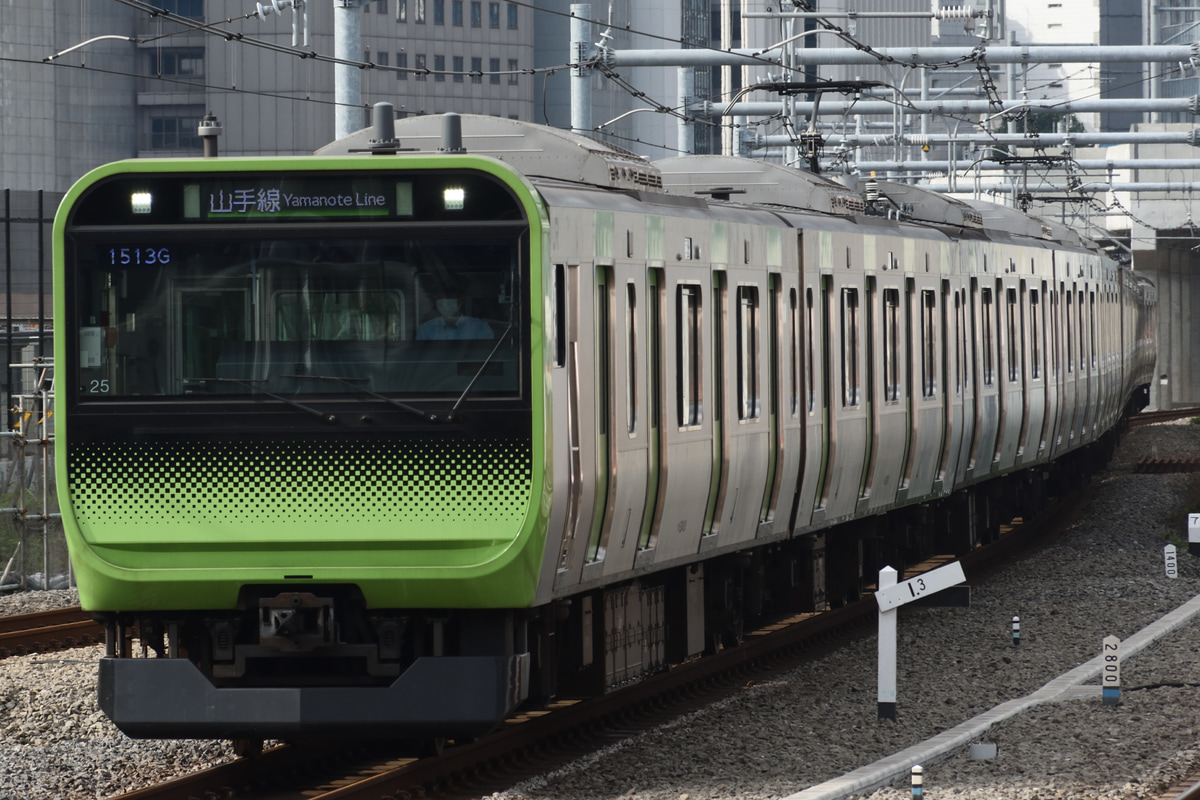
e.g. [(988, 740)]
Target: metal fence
[(33, 550)]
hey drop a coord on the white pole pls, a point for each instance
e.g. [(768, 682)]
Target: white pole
[(581, 78), (887, 650), (347, 79)]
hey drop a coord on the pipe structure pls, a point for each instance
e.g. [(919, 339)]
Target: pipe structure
[(988, 164), (841, 108), (829, 56), (1041, 140)]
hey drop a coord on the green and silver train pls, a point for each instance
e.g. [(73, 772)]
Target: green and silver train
[(395, 437)]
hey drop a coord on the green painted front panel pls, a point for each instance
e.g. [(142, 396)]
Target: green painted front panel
[(414, 523)]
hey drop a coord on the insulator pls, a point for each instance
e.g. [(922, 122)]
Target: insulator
[(872, 190), (955, 12)]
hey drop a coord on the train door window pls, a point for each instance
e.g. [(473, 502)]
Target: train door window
[(1035, 333), (687, 354), (809, 361), (209, 319), (631, 364), (1070, 333), (793, 353), (928, 343), (850, 344), (985, 326), (603, 309), (958, 343), (1083, 356), (1092, 326), (747, 352), (1012, 337), (1055, 337), (890, 331), (560, 315)]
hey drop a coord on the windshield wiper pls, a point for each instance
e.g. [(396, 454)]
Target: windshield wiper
[(450, 415), (350, 382), (323, 416)]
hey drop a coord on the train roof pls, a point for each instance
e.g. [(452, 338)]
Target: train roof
[(758, 183), (915, 203), (537, 151)]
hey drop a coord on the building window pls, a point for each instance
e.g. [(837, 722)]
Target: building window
[(513, 69), (422, 70), (175, 132), (476, 13), (456, 16), (192, 9), (458, 69), (439, 12), (381, 6), (511, 8), (382, 59), (401, 10), (439, 69), (494, 69), (493, 15), (402, 63), (419, 11), (476, 70), (185, 63)]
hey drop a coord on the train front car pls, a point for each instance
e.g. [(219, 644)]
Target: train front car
[(302, 442)]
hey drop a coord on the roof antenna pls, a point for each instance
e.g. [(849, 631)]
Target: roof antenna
[(452, 134), (383, 121)]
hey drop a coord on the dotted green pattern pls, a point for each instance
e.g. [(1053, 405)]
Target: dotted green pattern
[(460, 483)]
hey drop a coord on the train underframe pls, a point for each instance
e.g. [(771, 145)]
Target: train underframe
[(290, 664)]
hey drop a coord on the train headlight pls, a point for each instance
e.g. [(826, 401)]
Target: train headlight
[(140, 202), (453, 199)]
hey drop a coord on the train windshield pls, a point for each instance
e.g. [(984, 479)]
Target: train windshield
[(422, 312)]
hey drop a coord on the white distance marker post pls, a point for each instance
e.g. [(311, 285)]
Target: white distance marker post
[(1194, 534), (1110, 671), (890, 596), (1171, 561), (887, 648)]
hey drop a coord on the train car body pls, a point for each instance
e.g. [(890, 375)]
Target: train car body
[(391, 441)]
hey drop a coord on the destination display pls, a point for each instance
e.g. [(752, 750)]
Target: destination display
[(260, 197)]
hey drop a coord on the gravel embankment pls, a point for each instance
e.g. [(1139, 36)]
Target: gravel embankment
[(1103, 577)]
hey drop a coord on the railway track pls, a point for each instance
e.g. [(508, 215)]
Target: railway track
[(1170, 414), (540, 740), (48, 631)]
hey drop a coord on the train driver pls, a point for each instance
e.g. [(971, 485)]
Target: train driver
[(451, 322)]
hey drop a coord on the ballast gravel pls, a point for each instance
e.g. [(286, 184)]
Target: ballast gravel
[(1103, 577)]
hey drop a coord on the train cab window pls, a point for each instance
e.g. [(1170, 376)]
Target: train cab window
[(928, 343), (1035, 333), (891, 345), (1012, 338), (747, 352), (687, 355), (850, 346), (986, 329)]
